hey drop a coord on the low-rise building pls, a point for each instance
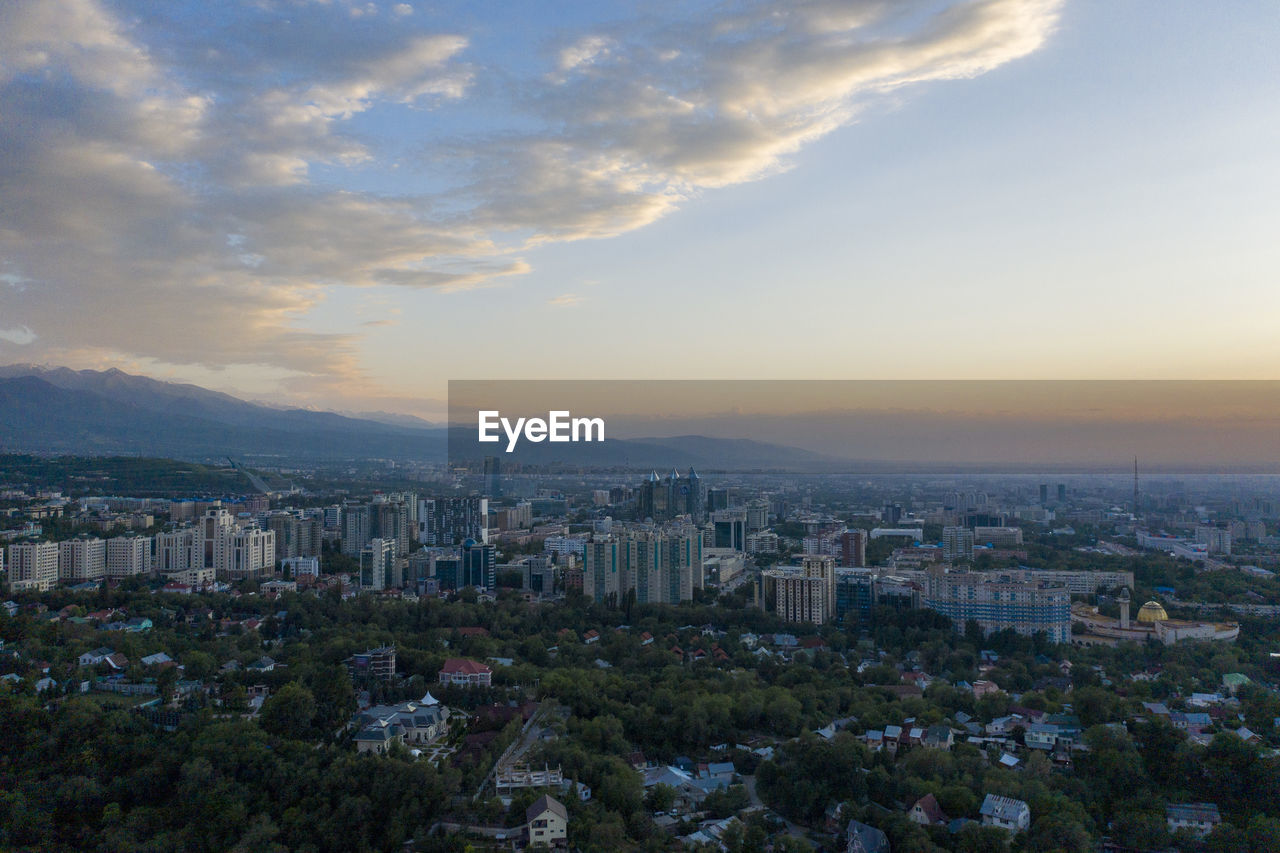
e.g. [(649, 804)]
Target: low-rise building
[(927, 812), (1199, 818), (411, 723), (468, 673), (862, 838), (547, 822), (1005, 812)]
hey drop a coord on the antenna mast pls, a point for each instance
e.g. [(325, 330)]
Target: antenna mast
[(1135, 490)]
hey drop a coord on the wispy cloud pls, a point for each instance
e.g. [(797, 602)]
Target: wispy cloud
[(565, 300), (182, 186)]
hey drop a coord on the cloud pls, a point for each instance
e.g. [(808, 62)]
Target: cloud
[(565, 300), (640, 119), (181, 185), (20, 335)]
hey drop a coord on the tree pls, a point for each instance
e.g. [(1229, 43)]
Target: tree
[(289, 711), (660, 798), (1059, 834)]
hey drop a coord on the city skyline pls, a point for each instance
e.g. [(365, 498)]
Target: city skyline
[(342, 205)]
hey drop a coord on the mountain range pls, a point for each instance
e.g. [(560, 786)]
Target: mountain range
[(112, 413)]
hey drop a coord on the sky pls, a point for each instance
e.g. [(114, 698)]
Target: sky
[(344, 205)]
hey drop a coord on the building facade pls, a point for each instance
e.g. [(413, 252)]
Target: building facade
[(1000, 601)]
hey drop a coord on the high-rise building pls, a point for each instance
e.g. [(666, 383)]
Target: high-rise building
[(804, 593), (757, 515), (999, 601), (449, 572), (33, 566), (357, 529), (1218, 539), (178, 551), (853, 548), (492, 477), (246, 553), (696, 498), (602, 570), (1062, 493), (730, 527), (717, 499), (212, 528), (390, 520), (82, 559), (764, 542), (1044, 494), (285, 526), (665, 498), (539, 574), (128, 556), (479, 565), (891, 513), (957, 544), (657, 566), (377, 564), (855, 597), (448, 521)]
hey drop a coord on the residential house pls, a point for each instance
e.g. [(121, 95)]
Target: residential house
[(690, 791), (927, 812), (1042, 736), (547, 822), (939, 737), (1199, 818), (892, 735), (1006, 725), (1005, 812), (865, 839), (96, 656), (466, 672), (721, 772), (1193, 721)]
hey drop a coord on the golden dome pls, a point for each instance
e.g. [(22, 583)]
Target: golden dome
[(1152, 612)]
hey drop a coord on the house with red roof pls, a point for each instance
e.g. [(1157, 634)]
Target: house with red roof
[(466, 672), (927, 812)]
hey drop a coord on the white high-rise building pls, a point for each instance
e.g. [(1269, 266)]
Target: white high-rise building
[(247, 553), (81, 560), (213, 527), (33, 566), (377, 564), (178, 551), (128, 556)]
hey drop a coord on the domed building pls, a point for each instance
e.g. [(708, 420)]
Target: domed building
[(1152, 612), (1153, 623)]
